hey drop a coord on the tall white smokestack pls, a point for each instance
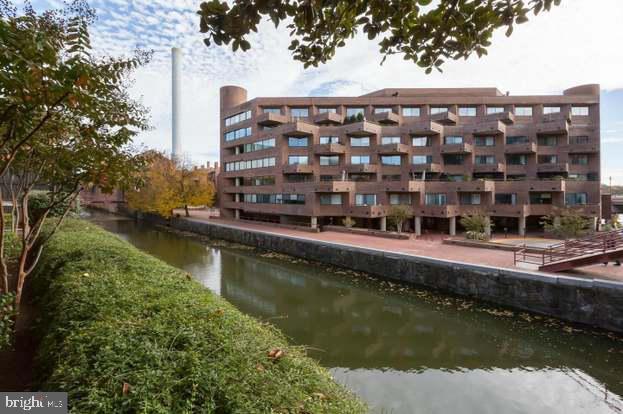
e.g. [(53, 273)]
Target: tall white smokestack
[(176, 61)]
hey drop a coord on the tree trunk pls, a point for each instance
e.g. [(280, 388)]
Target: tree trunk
[(186, 210)]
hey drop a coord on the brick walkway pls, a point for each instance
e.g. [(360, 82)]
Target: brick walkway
[(427, 245)]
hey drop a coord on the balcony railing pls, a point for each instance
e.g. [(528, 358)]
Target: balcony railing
[(487, 128), (445, 118), (298, 169), (393, 149), (387, 118), (561, 167), (322, 149), (496, 167), (505, 117), (463, 148), (528, 148), (329, 118), (425, 128), (362, 168), (271, 119)]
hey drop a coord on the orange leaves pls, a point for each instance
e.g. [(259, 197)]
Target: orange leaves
[(275, 354)]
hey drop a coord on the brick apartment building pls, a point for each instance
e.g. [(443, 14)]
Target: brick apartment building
[(441, 152)]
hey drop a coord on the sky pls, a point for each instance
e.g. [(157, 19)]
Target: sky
[(577, 43)]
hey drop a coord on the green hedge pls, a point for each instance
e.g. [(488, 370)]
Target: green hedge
[(114, 315)]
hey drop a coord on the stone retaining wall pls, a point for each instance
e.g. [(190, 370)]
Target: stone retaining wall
[(597, 303)]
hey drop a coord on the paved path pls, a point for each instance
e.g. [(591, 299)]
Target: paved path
[(427, 245)]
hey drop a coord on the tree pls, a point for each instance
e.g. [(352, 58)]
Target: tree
[(476, 225), (397, 215), (566, 223), (66, 123), (169, 185), (423, 33)]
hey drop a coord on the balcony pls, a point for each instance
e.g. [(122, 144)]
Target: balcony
[(433, 167), (475, 186), (509, 210), (389, 118), (271, 119), (426, 128), (334, 186), (362, 129), (541, 209), (546, 185), (322, 149), (450, 210), (529, 148), (506, 117), (496, 167), (583, 148), (561, 167), (299, 128), (463, 148), (410, 186), (445, 118), (298, 169), (286, 209), (329, 118), (554, 127), (563, 115), (393, 149), (367, 211), (487, 128), (362, 168)]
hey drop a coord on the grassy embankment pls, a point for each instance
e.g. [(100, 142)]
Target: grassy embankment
[(124, 332)]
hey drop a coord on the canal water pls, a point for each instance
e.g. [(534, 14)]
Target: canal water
[(401, 349)]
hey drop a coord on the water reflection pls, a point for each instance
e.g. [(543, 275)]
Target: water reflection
[(405, 352)]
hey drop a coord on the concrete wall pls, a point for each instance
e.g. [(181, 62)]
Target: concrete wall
[(592, 302)]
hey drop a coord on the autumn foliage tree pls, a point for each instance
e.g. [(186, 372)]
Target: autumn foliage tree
[(168, 184)]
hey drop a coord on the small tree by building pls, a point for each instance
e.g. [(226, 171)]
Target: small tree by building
[(566, 224), (397, 216), (476, 225)]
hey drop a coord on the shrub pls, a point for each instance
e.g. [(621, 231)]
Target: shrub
[(566, 224), (128, 333), (38, 201), (7, 314), (397, 215), (475, 226), (348, 222)]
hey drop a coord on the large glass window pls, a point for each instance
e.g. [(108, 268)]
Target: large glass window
[(274, 198), (435, 199), (579, 140), (259, 145), (382, 110), (494, 109), (298, 160), (523, 110), (353, 112), (484, 141), (579, 159), (485, 159), (400, 199), (517, 139), (360, 142), (517, 159), (327, 110), (329, 140), (453, 139), (365, 199), (234, 119), (453, 159), (469, 198), (548, 159), (248, 164), (360, 159), (574, 199), (579, 110), (272, 110), (390, 140), (467, 111), (298, 141), (390, 160), (331, 199), (257, 181), (551, 110), (540, 198), (434, 110), (422, 159), (421, 141), (506, 198), (299, 112), (329, 160), (548, 141), (238, 134), (410, 111)]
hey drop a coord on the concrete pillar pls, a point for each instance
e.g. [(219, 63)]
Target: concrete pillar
[(417, 226), (488, 228), (383, 223), (314, 222), (237, 214), (237, 197), (522, 226), (452, 226), (596, 223)]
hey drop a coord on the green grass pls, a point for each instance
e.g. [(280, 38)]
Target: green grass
[(114, 315)]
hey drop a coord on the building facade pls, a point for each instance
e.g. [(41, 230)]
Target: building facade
[(442, 153)]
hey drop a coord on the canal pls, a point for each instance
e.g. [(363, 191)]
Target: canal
[(401, 349)]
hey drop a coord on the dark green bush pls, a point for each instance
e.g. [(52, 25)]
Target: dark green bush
[(116, 316), (38, 201), (7, 312)]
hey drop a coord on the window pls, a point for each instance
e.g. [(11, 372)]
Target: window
[(484, 141), (551, 110), (574, 199), (579, 140), (390, 140), (272, 110), (422, 159), (234, 119), (365, 199), (421, 141), (329, 140), (517, 139), (469, 199), (329, 160), (435, 199), (391, 177), (238, 134), (245, 165), (455, 178), (452, 140), (548, 141), (548, 159), (297, 142), (517, 159), (327, 110), (579, 110), (390, 159), (382, 110), (453, 159), (259, 145), (330, 199), (579, 159), (274, 198), (299, 112), (360, 159), (485, 159), (400, 199), (494, 110), (467, 111), (256, 181), (434, 110), (410, 111), (353, 112), (540, 198), (297, 160), (523, 110), (506, 198), (360, 142)]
